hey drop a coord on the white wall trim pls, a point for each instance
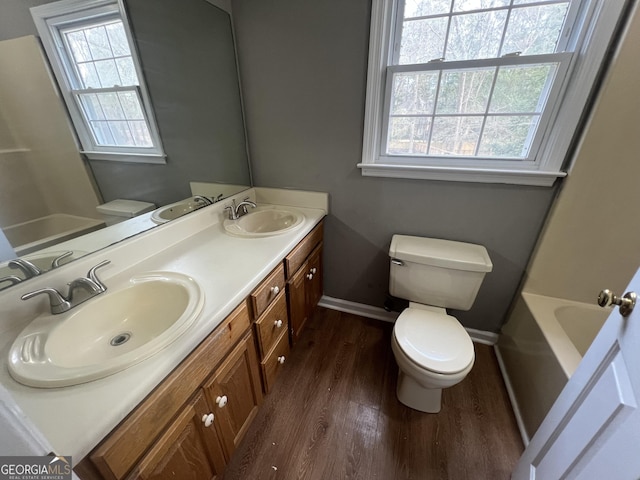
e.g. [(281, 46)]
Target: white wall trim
[(361, 309), (482, 336), (462, 174), (377, 313)]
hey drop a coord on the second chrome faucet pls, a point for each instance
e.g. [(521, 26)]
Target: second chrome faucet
[(88, 286), (236, 211)]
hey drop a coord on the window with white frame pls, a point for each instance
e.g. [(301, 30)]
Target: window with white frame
[(90, 48), (480, 90)]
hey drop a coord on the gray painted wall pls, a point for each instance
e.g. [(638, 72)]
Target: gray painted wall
[(303, 69)]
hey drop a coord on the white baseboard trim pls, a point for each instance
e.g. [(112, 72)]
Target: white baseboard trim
[(377, 313), (482, 336), (512, 398), (361, 309)]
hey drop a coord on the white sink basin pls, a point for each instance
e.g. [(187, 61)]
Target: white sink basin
[(175, 210), (264, 222), (108, 333)]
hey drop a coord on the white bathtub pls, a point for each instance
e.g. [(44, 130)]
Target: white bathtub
[(539, 348), (43, 232)]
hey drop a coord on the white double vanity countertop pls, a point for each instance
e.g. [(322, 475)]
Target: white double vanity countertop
[(75, 419)]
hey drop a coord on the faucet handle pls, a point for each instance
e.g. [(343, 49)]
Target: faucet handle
[(58, 303), (12, 279), (59, 258), (233, 212), (92, 274)]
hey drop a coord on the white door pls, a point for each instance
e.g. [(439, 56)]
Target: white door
[(593, 429)]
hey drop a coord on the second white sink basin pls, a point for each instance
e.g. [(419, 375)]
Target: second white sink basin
[(108, 333), (264, 222), (175, 210)]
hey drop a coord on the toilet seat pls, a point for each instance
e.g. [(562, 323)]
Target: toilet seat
[(434, 341)]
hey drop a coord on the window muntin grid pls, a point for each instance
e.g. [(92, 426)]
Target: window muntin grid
[(100, 55), (486, 111), (475, 29), (468, 112), (105, 83)]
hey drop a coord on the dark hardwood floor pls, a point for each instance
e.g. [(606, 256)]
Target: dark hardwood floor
[(333, 414)]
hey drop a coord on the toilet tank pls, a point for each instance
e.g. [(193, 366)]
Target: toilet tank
[(117, 211), (441, 273)]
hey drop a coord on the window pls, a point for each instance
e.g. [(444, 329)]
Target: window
[(92, 55), (480, 90)]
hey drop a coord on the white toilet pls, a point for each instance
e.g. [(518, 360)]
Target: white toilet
[(432, 348)]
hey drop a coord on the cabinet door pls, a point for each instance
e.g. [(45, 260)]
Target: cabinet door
[(297, 303), (314, 280), (305, 290), (234, 393), (187, 450)]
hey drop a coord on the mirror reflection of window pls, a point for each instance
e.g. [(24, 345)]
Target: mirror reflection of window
[(91, 54)]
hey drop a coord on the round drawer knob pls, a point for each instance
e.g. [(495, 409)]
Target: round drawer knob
[(314, 270), (278, 323), (309, 276), (275, 290), (281, 359), (208, 420), (221, 401)]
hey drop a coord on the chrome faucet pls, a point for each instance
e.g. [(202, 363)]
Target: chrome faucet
[(203, 199), (90, 285), (236, 211), (28, 269)]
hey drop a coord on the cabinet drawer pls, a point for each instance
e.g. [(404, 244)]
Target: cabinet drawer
[(272, 323), (124, 446), (298, 255), (267, 291), (274, 362)]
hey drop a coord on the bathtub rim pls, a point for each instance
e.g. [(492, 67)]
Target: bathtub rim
[(542, 308), (89, 225)]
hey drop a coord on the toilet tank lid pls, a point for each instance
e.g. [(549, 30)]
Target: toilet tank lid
[(125, 208), (441, 253)]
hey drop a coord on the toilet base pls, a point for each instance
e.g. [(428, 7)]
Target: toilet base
[(414, 395)]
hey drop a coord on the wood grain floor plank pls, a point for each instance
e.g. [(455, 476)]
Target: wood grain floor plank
[(333, 414)]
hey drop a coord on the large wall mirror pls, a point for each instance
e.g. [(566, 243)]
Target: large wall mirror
[(49, 191)]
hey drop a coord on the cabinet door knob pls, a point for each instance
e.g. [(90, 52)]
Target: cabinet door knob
[(314, 270), (278, 323), (281, 359), (275, 290), (309, 276), (221, 401), (208, 419)]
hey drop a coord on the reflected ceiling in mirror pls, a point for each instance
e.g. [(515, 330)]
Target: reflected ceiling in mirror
[(49, 191)]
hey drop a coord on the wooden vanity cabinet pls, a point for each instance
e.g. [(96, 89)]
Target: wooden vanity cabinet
[(187, 449), (190, 425), (201, 440), (171, 428), (304, 280), (271, 325), (233, 392)]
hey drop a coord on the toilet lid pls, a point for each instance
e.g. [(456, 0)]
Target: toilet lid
[(435, 341)]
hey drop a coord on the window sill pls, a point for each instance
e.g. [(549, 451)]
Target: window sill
[(155, 158), (514, 177)]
